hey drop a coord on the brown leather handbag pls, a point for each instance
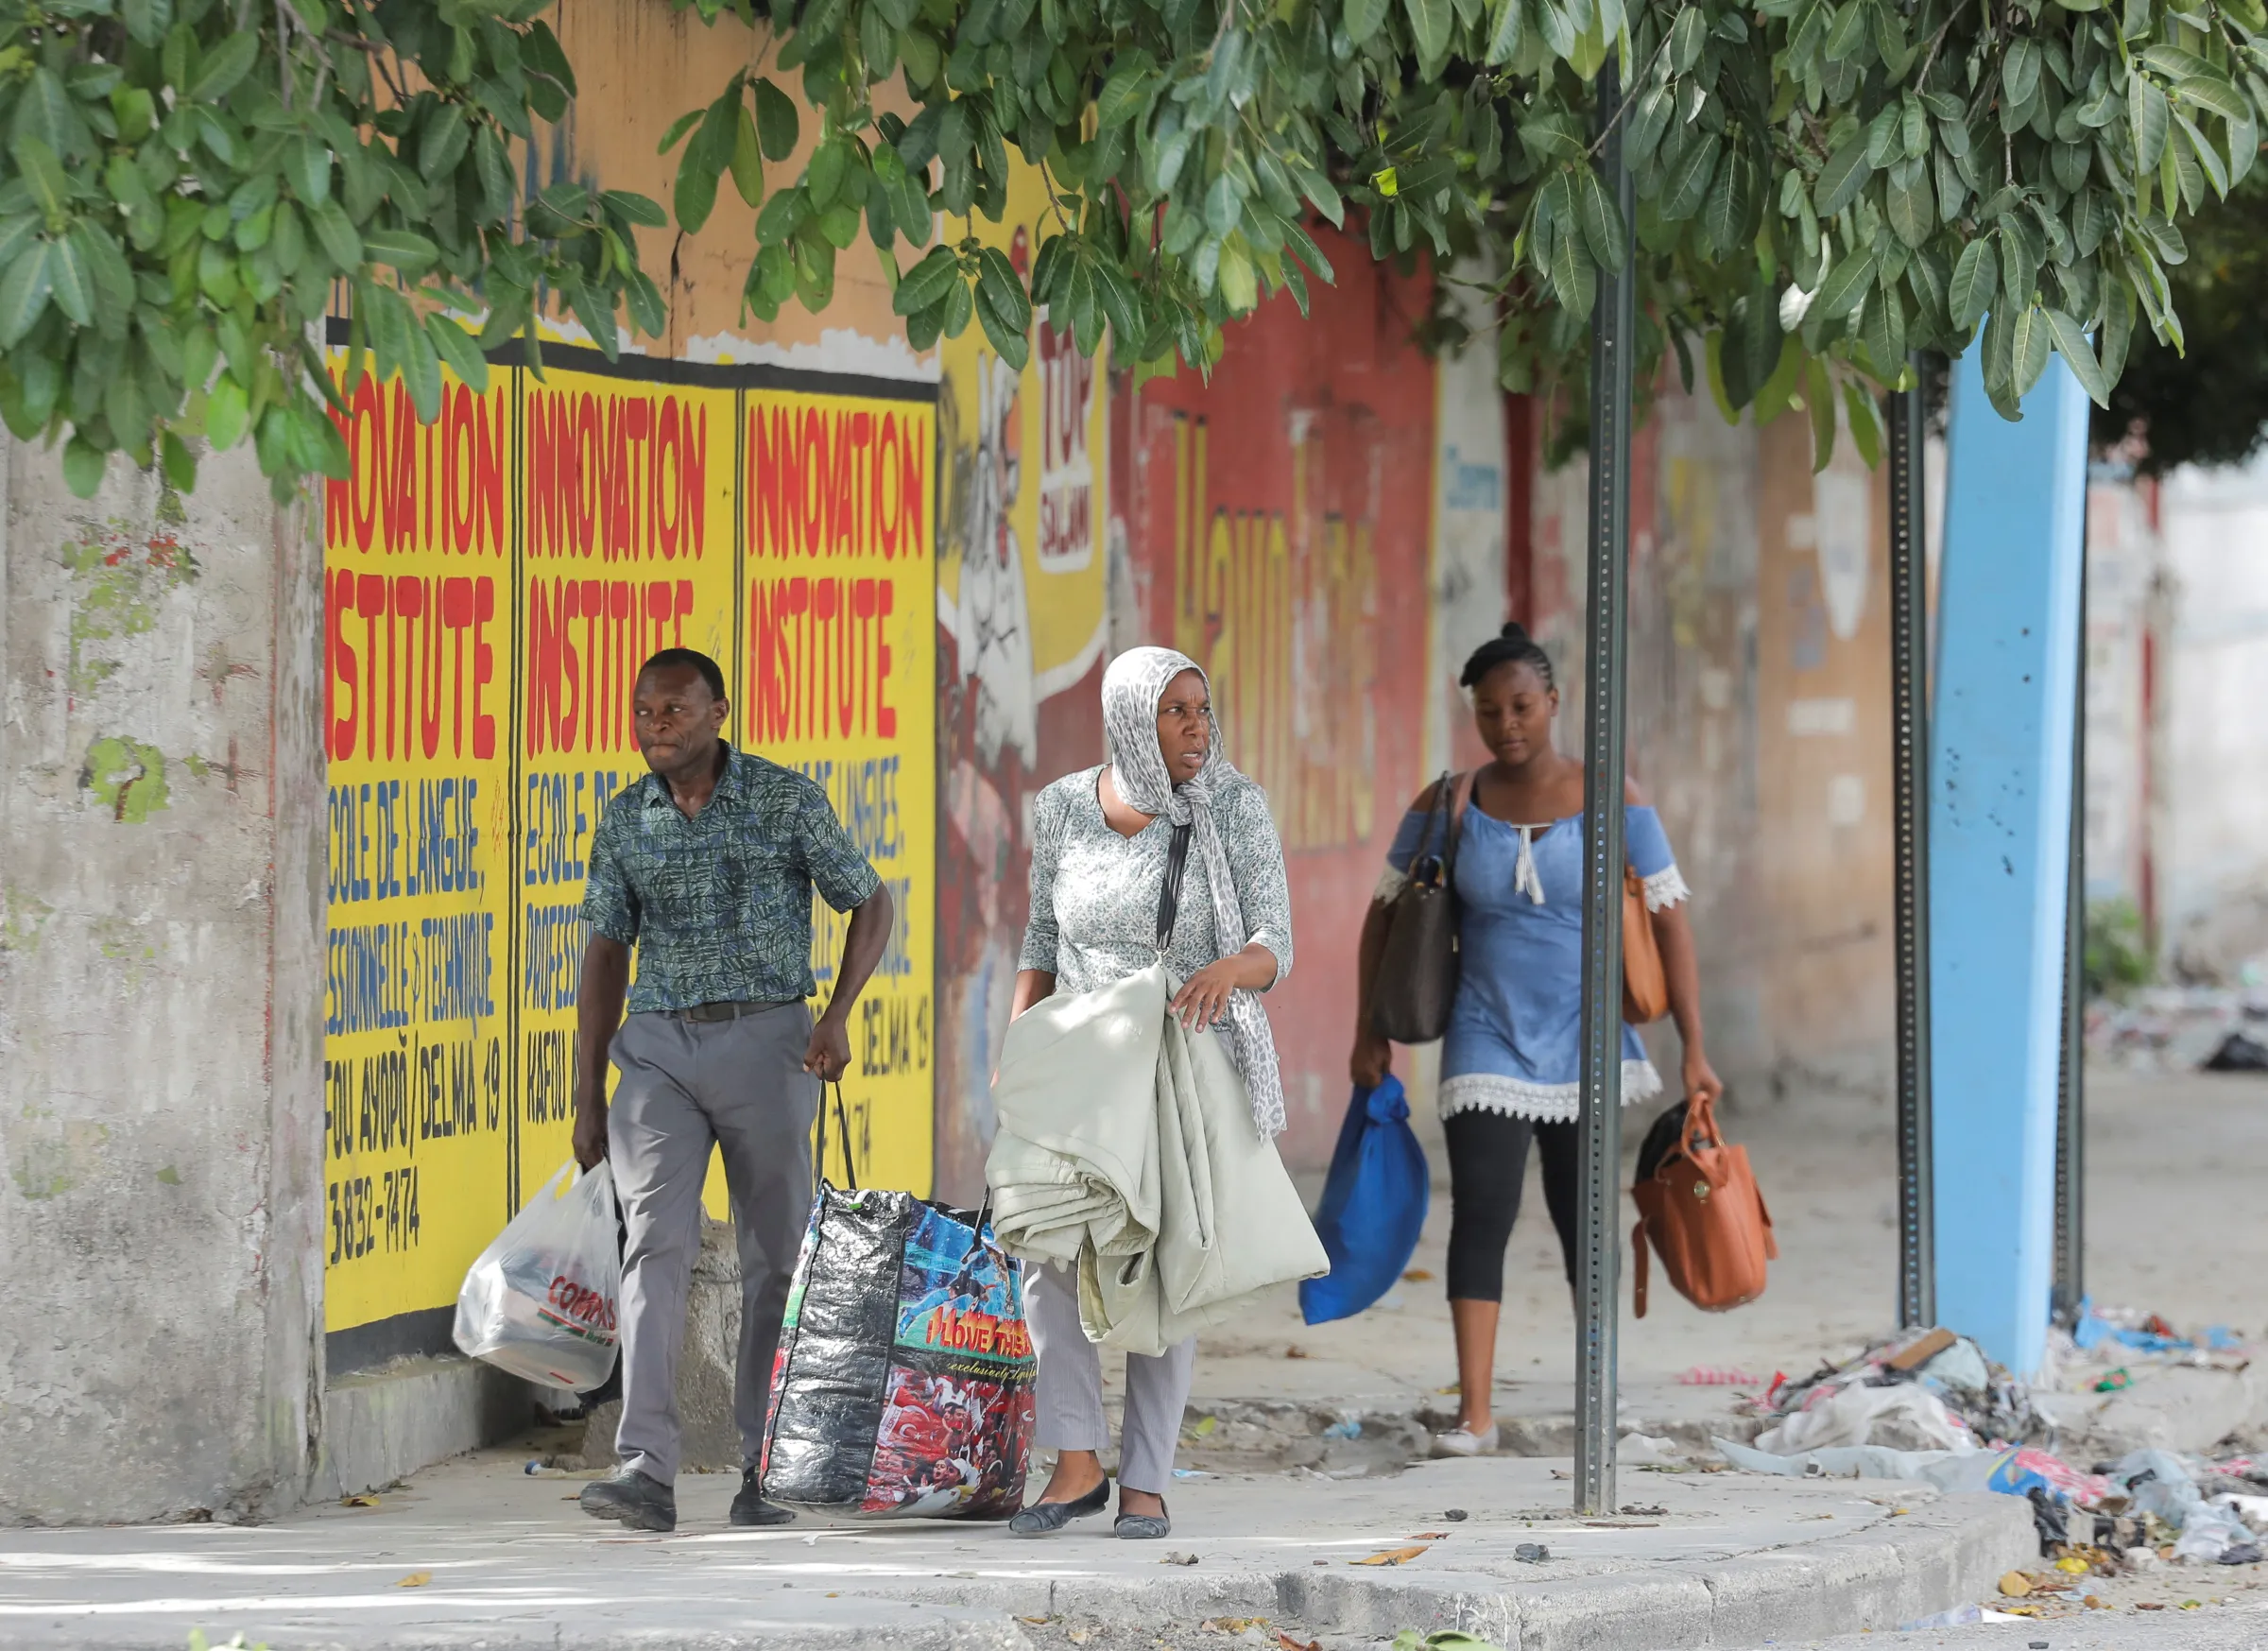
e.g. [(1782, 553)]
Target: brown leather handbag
[(1645, 984), (1417, 980), (1699, 1205)]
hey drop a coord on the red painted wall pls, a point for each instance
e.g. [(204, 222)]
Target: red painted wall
[(1277, 521)]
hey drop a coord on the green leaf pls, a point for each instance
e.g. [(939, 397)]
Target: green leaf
[(748, 158), (1912, 212), (678, 129), (456, 347), (1430, 21), (224, 65), (1508, 32), (225, 409), (635, 208), (1689, 181), (2147, 111), (1845, 285), (2019, 75), (422, 370), (1124, 95), (1687, 35), (825, 174), (1819, 400), (338, 235), (448, 134), (1976, 279), (778, 127), (2215, 94), (24, 290), (2071, 343), (927, 282), (1866, 418), (402, 250), (997, 281), (1843, 177), (73, 282), (83, 465), (50, 189), (1364, 19), (1571, 274), (2028, 340), (180, 464)]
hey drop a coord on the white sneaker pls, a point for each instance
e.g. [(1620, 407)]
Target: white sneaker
[(1462, 1442)]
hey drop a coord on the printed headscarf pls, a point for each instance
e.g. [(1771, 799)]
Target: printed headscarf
[(1132, 687)]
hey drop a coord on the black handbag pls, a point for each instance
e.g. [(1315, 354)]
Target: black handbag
[(1417, 979)]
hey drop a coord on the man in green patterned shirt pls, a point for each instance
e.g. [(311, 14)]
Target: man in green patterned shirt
[(706, 868)]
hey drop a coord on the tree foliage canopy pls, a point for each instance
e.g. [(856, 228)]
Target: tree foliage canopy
[(1823, 185), (2207, 403)]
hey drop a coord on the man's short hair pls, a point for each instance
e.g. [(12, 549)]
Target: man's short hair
[(674, 659)]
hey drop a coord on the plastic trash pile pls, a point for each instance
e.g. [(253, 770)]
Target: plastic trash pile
[(2181, 1028), (1922, 1390), (1930, 1407)]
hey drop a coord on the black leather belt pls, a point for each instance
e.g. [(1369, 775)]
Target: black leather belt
[(725, 1011)]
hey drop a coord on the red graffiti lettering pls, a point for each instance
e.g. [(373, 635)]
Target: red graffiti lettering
[(586, 639), (818, 661), (420, 486), (829, 483), (618, 475), (416, 684)]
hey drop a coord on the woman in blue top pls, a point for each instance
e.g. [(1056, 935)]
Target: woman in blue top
[(1511, 1062)]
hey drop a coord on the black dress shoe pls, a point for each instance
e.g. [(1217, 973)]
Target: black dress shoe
[(1044, 1519), (749, 1508), (630, 1496)]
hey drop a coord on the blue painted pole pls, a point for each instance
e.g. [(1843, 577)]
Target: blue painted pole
[(2000, 848)]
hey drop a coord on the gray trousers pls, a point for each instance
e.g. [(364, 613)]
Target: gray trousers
[(686, 1087), (1069, 1392)]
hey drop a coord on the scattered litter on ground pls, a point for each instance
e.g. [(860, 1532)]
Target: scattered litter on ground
[(1392, 1555), (1417, 1276), (1532, 1553), (2177, 1028), (415, 1579), (1720, 1376), (1178, 1559), (1295, 1352), (1350, 1429), (2238, 1052), (1456, 1513)]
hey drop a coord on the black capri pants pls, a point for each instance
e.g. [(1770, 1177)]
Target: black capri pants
[(1488, 1166)]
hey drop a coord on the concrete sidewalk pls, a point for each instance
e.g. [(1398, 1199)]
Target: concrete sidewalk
[(477, 1554)]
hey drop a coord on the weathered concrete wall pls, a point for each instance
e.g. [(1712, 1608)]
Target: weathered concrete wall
[(1759, 723), (160, 997)]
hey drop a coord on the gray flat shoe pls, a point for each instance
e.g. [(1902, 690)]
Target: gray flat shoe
[(1143, 1527)]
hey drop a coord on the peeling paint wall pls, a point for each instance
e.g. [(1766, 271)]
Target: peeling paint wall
[(1759, 724), (161, 1103)]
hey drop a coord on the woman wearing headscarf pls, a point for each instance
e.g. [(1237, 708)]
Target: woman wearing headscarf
[(1100, 843)]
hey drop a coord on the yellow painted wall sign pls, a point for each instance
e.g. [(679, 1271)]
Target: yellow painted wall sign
[(492, 581)]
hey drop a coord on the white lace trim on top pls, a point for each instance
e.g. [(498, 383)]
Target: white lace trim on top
[(1547, 1103), (1666, 887)]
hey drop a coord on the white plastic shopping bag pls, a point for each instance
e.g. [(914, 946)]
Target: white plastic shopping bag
[(540, 1300)]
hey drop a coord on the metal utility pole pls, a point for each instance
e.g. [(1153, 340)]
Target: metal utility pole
[(1613, 326), (2070, 1103), (1910, 807)]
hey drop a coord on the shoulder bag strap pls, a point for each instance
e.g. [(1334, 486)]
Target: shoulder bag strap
[(1169, 897), (1457, 790)]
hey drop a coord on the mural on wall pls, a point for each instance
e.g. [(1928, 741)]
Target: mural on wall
[(1022, 621), (1278, 520), (492, 581)]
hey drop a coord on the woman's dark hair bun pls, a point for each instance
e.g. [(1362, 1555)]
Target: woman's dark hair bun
[(1513, 646)]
